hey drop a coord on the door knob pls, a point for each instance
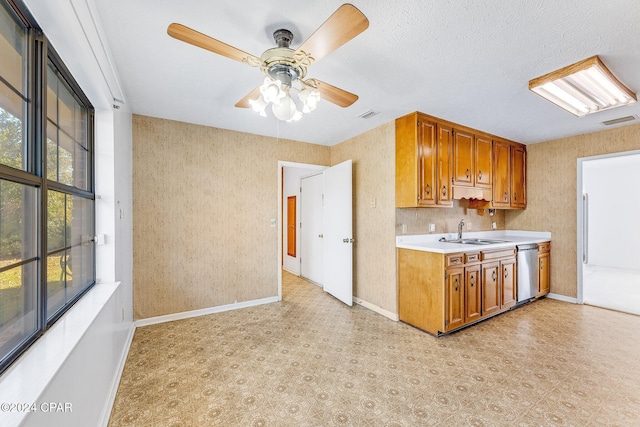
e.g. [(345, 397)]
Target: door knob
[(321, 235)]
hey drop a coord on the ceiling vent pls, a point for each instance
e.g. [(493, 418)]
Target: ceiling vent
[(367, 114), (619, 120)]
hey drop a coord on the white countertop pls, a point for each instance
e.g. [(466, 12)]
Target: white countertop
[(431, 243)]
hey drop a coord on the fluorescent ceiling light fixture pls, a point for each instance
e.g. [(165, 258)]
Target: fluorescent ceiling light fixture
[(583, 88)]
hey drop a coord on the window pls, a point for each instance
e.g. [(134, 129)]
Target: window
[(47, 255)]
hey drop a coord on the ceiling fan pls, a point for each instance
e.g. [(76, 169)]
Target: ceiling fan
[(284, 68)]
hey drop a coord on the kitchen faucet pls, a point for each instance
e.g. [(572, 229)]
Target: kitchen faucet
[(460, 229)]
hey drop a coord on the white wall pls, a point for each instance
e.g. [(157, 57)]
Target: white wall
[(88, 376)]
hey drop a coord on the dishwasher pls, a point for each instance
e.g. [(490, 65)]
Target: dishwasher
[(527, 272)]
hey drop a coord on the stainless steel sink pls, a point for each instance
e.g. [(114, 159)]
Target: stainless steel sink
[(475, 241)]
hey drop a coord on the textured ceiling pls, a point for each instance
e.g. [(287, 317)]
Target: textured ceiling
[(467, 61)]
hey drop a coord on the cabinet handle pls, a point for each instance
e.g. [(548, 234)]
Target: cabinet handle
[(493, 275), (468, 173), (541, 265), (479, 174), (515, 196), (473, 281), (506, 273), (428, 189), (444, 191), (506, 196), (455, 261), (457, 284)]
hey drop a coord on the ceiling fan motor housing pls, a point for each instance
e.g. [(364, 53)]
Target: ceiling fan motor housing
[(279, 63)]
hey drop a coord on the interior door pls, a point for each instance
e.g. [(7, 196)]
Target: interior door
[(338, 238), (311, 217)]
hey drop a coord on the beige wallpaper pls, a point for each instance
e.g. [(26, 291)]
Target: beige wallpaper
[(374, 267), (446, 220), (203, 199), (551, 195)]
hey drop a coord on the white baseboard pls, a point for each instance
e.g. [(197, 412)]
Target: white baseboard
[(379, 310), (563, 298), (116, 379), (203, 312)]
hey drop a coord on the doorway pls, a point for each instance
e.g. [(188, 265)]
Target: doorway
[(608, 231)]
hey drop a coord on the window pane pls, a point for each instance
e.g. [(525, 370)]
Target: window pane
[(56, 278), (66, 106), (65, 159), (18, 314), (52, 152), (18, 222), (56, 221), (80, 159), (68, 121), (13, 47), (52, 95), (11, 128)]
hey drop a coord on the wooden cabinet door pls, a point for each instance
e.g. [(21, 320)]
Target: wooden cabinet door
[(463, 158), (509, 290), (444, 196), (427, 157), (484, 161), (501, 174), (473, 303), (490, 287), (518, 176), (544, 274), (455, 298)]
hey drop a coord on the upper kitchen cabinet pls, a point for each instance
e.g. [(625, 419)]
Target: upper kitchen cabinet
[(509, 175), (423, 159), (518, 176), (484, 161), (438, 161)]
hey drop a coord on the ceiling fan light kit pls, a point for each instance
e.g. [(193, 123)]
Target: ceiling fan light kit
[(583, 88), (284, 68)]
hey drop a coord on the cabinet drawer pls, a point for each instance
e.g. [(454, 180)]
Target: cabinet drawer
[(501, 253), (471, 257), (544, 247), (454, 259)]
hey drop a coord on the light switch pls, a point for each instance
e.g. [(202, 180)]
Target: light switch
[(273, 222)]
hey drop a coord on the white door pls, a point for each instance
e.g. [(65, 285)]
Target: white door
[(338, 238), (610, 232), (311, 213)]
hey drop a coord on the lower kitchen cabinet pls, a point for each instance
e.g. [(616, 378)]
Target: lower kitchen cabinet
[(473, 294), (544, 271), (440, 293)]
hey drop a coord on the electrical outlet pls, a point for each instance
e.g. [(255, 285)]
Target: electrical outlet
[(372, 203), (494, 225), (432, 228), (404, 228), (468, 225)]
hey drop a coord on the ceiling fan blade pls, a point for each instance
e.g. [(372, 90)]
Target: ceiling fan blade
[(244, 102), (191, 36), (345, 23), (333, 94)]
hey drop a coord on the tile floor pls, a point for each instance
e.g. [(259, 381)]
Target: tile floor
[(312, 361)]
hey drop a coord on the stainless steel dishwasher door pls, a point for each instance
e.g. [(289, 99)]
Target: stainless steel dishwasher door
[(527, 272)]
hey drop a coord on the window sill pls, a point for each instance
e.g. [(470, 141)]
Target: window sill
[(26, 380)]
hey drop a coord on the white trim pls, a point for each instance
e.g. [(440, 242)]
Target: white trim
[(106, 413), (202, 312), (564, 298), (377, 309)]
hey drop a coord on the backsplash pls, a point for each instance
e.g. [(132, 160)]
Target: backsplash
[(417, 220)]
